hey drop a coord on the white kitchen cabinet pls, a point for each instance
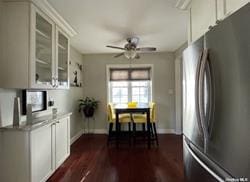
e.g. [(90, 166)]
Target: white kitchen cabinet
[(62, 144), (227, 7), (35, 46), (221, 12), (32, 154), (202, 16), (233, 5), (41, 144), (42, 50), (62, 58)]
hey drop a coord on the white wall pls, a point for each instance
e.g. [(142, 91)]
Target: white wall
[(94, 83), (65, 101), (178, 88)]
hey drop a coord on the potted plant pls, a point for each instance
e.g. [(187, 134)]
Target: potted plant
[(88, 106)]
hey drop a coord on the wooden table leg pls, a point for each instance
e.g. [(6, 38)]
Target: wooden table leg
[(148, 128), (117, 129)]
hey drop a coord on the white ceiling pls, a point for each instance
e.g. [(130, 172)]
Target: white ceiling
[(109, 22)]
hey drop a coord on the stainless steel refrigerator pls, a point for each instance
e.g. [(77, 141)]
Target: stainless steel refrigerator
[(216, 102)]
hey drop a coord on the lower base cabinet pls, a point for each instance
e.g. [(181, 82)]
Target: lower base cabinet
[(33, 156), (41, 155), (62, 144)]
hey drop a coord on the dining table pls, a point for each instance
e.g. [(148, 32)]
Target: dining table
[(139, 108)]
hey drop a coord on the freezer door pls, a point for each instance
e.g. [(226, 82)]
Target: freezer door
[(228, 45), (198, 167), (192, 128), (194, 172)]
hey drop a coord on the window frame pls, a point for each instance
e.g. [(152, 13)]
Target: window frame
[(151, 82)]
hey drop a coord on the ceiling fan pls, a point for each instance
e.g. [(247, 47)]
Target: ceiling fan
[(131, 50)]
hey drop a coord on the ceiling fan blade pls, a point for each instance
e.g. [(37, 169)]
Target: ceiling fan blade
[(114, 47), (118, 55), (146, 49)]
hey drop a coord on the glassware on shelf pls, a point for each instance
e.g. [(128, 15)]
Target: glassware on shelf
[(62, 46), (43, 50)]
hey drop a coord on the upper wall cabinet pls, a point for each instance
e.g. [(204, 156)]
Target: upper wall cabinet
[(35, 46), (205, 13), (202, 15), (62, 57), (43, 62), (229, 6)]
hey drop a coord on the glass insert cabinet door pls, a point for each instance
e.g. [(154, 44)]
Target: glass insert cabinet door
[(62, 59), (44, 36)]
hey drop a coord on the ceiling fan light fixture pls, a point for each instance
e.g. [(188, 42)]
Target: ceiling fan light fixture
[(130, 54), (131, 50)]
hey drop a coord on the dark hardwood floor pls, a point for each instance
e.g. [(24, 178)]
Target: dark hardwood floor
[(91, 160)]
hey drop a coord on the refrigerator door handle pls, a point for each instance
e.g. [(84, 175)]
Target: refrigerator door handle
[(197, 99), (218, 173), (201, 97), (210, 107)]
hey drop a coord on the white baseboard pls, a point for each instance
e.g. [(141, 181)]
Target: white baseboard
[(100, 131), (74, 138), (104, 131), (178, 132), (160, 131), (97, 131), (166, 131)]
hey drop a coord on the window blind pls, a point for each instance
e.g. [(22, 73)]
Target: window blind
[(130, 74)]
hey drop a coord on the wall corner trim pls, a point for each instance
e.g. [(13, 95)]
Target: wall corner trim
[(76, 137)]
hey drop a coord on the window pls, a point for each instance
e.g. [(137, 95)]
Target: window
[(129, 84), (140, 91), (119, 91)]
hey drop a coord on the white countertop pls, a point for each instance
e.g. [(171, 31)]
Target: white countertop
[(36, 123)]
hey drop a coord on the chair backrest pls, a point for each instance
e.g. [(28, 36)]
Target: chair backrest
[(152, 106), (110, 111)]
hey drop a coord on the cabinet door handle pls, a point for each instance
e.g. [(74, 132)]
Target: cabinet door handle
[(218, 21), (210, 27), (56, 82), (53, 82)]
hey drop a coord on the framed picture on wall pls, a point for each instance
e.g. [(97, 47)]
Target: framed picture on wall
[(38, 100), (76, 74)]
